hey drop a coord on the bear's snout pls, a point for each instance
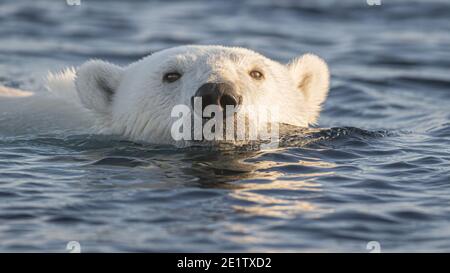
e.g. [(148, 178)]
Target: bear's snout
[(221, 94)]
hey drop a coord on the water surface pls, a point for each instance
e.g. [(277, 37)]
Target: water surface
[(381, 173)]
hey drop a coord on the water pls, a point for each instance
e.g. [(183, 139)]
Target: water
[(381, 173)]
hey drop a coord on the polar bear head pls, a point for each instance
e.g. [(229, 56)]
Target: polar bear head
[(136, 101)]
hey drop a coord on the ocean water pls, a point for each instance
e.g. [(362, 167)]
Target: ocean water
[(376, 168)]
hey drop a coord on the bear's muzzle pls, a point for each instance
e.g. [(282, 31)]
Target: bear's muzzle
[(220, 94)]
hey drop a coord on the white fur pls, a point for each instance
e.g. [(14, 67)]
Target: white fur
[(62, 85), (311, 75), (13, 93), (134, 102)]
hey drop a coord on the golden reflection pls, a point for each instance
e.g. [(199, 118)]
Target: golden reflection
[(264, 187), (264, 205), (309, 185), (283, 195)]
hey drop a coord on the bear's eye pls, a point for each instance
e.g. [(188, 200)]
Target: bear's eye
[(171, 77), (257, 75)]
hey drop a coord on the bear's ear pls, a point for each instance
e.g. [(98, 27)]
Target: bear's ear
[(311, 77), (96, 82)]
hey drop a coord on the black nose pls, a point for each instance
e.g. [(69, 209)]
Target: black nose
[(221, 94)]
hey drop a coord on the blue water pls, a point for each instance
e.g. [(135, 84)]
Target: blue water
[(381, 173)]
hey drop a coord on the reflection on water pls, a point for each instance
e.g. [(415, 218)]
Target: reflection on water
[(259, 183)]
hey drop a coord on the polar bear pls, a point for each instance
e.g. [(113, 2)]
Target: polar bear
[(137, 101)]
